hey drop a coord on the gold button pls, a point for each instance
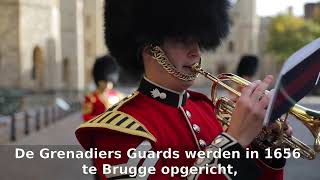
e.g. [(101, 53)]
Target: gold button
[(188, 114), (196, 128), (202, 143)]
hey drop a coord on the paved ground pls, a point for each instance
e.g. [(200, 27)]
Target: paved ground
[(60, 133), (61, 136), (303, 169)]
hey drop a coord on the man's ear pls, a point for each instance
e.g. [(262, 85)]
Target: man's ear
[(145, 54)]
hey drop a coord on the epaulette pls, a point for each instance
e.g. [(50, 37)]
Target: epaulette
[(120, 121)]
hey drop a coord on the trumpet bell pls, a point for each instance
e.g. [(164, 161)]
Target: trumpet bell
[(311, 119)]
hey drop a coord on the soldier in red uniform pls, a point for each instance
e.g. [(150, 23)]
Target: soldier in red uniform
[(162, 39), (105, 73)]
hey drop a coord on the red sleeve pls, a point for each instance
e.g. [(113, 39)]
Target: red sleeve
[(87, 109), (112, 142), (123, 142), (269, 172)]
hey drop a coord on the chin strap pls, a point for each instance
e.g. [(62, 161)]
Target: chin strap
[(159, 55)]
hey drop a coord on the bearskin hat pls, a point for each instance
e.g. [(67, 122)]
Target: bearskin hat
[(105, 68), (247, 66), (132, 24)]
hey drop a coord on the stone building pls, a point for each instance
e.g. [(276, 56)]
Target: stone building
[(42, 46), (94, 35), (311, 10), (52, 44), (31, 42), (243, 39)]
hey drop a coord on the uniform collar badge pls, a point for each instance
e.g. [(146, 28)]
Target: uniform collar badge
[(162, 94), (156, 93)]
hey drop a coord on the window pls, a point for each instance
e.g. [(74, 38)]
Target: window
[(37, 64)]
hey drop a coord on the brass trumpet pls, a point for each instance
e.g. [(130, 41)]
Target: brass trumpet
[(267, 138)]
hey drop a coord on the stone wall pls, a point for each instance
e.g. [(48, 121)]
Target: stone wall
[(90, 26), (243, 39), (39, 27), (72, 39), (94, 36), (9, 49)]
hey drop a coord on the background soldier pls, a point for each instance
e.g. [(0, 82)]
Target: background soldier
[(105, 73), (247, 67)]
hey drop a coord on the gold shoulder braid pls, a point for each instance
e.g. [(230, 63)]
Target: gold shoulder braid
[(119, 121)]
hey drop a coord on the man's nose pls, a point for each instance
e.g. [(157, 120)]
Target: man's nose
[(194, 50)]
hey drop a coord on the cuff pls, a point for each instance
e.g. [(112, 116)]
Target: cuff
[(245, 168), (273, 163)]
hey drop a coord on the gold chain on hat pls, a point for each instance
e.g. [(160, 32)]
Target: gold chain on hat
[(159, 55)]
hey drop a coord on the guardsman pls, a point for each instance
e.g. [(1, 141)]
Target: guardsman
[(105, 73), (163, 39)]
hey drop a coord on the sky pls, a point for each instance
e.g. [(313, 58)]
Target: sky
[(273, 7)]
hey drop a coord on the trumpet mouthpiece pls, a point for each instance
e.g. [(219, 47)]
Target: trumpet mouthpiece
[(196, 67)]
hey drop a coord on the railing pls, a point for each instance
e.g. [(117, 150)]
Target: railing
[(20, 124)]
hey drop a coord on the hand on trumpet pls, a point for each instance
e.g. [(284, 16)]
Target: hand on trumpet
[(250, 110)]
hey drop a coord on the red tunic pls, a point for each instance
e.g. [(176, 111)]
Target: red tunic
[(162, 120), (96, 103)]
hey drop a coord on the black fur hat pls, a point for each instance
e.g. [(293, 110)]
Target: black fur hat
[(247, 66), (132, 24), (105, 68)]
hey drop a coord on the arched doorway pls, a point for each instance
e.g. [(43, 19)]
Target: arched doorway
[(38, 67)]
